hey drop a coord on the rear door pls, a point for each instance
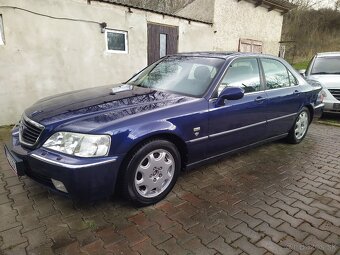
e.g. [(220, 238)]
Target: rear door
[(239, 122), (284, 96)]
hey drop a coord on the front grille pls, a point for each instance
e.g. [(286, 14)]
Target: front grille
[(30, 131), (335, 93)]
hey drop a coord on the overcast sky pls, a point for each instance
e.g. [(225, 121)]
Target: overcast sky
[(327, 3)]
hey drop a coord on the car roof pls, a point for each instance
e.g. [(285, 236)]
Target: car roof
[(328, 54), (219, 54)]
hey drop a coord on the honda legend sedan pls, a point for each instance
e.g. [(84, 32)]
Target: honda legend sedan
[(178, 113)]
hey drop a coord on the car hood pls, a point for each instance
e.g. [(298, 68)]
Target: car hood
[(327, 81), (100, 104)]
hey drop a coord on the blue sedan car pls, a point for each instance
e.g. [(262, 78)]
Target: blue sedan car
[(177, 113)]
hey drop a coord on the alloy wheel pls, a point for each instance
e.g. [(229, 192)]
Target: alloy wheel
[(301, 125), (154, 173)]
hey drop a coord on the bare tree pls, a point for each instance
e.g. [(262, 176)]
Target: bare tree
[(309, 30), (337, 5), (315, 4)]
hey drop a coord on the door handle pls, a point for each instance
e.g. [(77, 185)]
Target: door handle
[(296, 92), (259, 99)]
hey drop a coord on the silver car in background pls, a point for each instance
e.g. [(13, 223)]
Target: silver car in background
[(325, 69)]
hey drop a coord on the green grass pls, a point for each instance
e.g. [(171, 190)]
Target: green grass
[(301, 65), (330, 122)]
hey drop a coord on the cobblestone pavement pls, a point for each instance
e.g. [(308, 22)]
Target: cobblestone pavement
[(278, 198)]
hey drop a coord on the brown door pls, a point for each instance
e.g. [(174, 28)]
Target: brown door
[(162, 40)]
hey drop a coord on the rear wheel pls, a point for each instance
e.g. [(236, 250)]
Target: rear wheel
[(152, 172), (300, 127)]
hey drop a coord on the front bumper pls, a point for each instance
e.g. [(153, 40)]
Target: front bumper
[(332, 106), (85, 179)]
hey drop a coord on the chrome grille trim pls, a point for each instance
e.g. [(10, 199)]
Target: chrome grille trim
[(335, 93), (29, 131)]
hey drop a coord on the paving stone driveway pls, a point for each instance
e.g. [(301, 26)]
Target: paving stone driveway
[(278, 198)]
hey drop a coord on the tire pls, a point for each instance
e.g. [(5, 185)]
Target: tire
[(151, 173), (300, 128)]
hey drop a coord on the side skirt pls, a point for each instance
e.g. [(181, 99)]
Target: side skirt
[(218, 156)]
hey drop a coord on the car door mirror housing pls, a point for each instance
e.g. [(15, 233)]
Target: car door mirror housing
[(302, 72), (229, 93)]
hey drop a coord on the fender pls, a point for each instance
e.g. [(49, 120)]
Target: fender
[(125, 140)]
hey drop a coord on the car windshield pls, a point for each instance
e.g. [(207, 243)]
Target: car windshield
[(326, 65), (180, 74)]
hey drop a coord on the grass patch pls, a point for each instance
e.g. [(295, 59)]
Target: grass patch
[(301, 65), (330, 122), (330, 119)]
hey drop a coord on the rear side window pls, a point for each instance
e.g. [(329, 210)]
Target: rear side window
[(276, 74), (242, 73)]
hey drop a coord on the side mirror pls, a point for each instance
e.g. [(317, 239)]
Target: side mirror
[(303, 72), (229, 93)]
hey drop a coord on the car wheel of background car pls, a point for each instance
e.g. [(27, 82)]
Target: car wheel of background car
[(151, 172), (300, 127)]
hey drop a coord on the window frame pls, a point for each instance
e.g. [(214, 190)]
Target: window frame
[(288, 75), (125, 33), (214, 95), (2, 31)]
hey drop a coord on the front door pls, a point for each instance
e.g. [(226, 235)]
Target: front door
[(239, 122), (162, 40)]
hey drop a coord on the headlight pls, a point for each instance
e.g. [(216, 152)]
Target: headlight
[(81, 145), (322, 94)]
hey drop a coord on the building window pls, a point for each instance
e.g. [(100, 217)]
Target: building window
[(2, 35), (248, 45), (162, 45), (116, 41)]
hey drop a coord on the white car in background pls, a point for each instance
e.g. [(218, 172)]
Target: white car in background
[(325, 69)]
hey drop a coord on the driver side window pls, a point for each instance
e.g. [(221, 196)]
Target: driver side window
[(242, 73)]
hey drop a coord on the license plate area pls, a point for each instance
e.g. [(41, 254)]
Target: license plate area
[(15, 163)]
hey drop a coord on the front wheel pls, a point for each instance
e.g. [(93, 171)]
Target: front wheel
[(300, 127), (152, 172)]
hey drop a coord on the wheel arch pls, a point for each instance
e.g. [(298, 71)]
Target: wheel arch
[(311, 112), (173, 138)]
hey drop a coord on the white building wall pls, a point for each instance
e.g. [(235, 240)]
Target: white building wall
[(235, 20), (44, 56)]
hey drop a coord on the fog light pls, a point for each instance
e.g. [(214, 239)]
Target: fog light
[(59, 185)]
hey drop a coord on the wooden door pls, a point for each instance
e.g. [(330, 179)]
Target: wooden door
[(162, 40)]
